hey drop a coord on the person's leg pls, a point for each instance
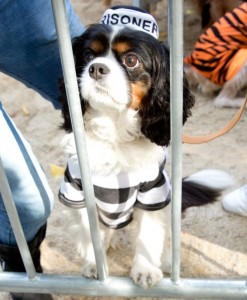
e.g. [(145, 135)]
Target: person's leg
[(30, 190), (32, 196), (28, 45)]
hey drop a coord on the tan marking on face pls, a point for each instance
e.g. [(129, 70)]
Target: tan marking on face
[(97, 47), (139, 91), (121, 47)]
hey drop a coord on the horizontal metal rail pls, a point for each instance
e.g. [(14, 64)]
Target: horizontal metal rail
[(124, 287)]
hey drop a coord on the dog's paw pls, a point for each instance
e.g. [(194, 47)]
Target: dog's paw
[(227, 102), (89, 269), (167, 265), (146, 275), (220, 102)]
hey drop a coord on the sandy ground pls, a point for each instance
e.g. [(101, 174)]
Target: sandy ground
[(214, 242)]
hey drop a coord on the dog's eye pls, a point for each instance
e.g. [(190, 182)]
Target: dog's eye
[(88, 56), (131, 61)]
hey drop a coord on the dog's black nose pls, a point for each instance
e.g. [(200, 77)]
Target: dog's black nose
[(98, 71)]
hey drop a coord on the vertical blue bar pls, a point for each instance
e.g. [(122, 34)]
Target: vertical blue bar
[(70, 80), (175, 28)]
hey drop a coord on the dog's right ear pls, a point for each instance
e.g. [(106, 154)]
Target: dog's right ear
[(67, 126), (77, 47)]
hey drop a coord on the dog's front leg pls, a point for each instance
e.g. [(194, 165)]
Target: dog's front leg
[(228, 96), (146, 270), (85, 246)]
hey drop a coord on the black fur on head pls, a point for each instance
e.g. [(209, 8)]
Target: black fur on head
[(154, 108)]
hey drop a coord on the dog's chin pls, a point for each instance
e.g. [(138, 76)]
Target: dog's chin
[(99, 97)]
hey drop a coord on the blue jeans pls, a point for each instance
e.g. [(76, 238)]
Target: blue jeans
[(29, 53)]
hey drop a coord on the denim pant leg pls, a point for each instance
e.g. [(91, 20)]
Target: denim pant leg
[(28, 183), (28, 44)]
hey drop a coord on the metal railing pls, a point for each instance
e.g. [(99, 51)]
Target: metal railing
[(174, 287)]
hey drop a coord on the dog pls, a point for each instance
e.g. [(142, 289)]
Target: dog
[(123, 80), (218, 63)]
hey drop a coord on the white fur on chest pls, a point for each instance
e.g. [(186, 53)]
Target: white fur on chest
[(115, 143)]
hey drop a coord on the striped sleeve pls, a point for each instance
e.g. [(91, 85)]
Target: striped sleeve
[(71, 193), (154, 195)]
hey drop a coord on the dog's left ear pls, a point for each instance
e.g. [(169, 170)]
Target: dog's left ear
[(155, 113)]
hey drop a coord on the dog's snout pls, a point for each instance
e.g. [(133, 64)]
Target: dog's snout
[(98, 71)]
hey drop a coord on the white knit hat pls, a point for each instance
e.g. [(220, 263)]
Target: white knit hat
[(132, 17)]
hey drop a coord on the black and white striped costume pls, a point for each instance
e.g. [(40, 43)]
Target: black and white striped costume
[(116, 195)]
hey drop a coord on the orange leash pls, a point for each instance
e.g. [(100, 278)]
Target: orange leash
[(207, 138)]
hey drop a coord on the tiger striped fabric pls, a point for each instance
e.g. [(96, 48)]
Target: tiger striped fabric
[(221, 51), (116, 195)]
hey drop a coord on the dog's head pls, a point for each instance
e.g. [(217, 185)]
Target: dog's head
[(121, 68)]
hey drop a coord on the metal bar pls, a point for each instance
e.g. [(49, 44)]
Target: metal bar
[(175, 27), (15, 223), (70, 79), (136, 3), (124, 287)]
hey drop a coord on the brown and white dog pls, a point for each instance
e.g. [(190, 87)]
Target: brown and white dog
[(123, 79)]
